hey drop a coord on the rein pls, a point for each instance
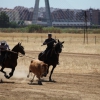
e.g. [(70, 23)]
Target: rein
[(12, 51), (19, 55), (26, 56)]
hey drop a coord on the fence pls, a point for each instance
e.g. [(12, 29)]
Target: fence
[(40, 39)]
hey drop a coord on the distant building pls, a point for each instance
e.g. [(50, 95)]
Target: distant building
[(63, 17)]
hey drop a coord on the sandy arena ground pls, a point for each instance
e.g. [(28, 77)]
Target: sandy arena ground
[(76, 78)]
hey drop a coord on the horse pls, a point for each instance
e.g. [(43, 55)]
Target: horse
[(52, 57), (11, 59)]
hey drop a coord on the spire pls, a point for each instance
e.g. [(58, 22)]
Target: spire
[(48, 14), (35, 13)]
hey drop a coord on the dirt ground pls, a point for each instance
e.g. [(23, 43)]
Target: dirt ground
[(70, 83)]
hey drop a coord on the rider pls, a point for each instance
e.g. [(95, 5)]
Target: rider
[(49, 42), (3, 48)]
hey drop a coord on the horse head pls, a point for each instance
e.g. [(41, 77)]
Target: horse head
[(59, 46), (19, 48)]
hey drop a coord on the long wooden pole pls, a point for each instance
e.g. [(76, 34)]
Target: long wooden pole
[(85, 28)]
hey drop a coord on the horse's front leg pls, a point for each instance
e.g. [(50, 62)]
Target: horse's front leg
[(48, 69), (3, 71), (11, 73), (51, 72)]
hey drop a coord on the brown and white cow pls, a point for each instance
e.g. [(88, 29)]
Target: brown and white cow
[(38, 68)]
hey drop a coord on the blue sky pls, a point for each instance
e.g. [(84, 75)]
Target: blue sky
[(64, 4)]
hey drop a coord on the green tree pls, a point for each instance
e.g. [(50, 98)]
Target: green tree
[(4, 20)]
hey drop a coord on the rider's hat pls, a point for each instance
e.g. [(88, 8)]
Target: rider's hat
[(3, 42), (49, 34)]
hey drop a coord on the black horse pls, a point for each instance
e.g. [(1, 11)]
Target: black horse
[(11, 59), (52, 57)]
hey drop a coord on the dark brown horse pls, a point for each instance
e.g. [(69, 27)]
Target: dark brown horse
[(11, 59), (52, 57)]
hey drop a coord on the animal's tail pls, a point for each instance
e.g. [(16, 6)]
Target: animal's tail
[(29, 73), (29, 70)]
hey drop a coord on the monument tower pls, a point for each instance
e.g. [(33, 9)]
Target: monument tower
[(48, 15)]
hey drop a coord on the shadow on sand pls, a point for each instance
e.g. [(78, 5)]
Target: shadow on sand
[(9, 82), (42, 80)]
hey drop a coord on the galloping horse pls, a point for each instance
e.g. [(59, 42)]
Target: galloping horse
[(11, 59), (52, 57)]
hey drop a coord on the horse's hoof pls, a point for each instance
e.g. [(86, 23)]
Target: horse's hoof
[(11, 74), (39, 82), (6, 76), (31, 81), (50, 80)]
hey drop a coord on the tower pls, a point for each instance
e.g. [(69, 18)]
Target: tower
[(48, 15)]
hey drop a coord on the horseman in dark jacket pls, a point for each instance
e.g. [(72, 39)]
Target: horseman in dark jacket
[(50, 43), (3, 50)]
